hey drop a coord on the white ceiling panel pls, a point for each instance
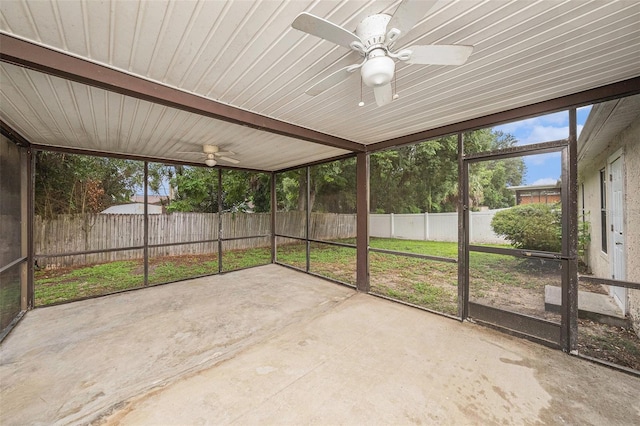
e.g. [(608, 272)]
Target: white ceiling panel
[(245, 54), (55, 112)]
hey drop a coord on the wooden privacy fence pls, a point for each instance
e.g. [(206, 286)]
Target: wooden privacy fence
[(322, 226), (99, 232)]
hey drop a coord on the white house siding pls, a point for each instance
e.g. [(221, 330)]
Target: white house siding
[(628, 141), (631, 140), (597, 260)]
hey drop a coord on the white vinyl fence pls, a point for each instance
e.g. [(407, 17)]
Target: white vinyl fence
[(434, 227)]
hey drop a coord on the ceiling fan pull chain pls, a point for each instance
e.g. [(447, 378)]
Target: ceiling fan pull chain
[(395, 87)]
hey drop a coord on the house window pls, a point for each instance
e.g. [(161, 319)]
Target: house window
[(603, 209)]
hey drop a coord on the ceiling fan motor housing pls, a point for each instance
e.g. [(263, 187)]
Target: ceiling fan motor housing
[(209, 149), (378, 69), (372, 29)]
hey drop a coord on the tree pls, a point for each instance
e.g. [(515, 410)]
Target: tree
[(489, 182), (77, 184), (195, 189), (243, 191), (424, 177), (332, 188), (291, 190)]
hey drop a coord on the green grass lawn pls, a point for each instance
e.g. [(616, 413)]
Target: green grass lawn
[(428, 283), (431, 248), (64, 284)]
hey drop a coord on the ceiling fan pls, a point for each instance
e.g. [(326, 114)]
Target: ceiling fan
[(213, 154), (374, 40)]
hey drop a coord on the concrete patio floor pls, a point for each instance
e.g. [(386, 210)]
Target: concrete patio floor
[(269, 345)]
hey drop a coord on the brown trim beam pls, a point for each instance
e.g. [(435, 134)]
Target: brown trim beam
[(317, 162), (569, 311), (609, 282), (12, 135), (600, 94), (39, 58), (274, 208), (517, 151), (463, 232)]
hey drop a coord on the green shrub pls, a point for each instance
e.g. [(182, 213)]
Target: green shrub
[(530, 226)]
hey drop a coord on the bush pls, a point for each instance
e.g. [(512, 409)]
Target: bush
[(530, 226)]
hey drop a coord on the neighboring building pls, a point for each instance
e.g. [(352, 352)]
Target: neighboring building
[(609, 196), (153, 199), (133, 208), (546, 194)]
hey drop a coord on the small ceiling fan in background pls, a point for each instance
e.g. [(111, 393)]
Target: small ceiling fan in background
[(213, 154), (374, 40)]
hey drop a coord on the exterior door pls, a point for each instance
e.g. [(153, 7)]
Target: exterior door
[(519, 287), (617, 231)]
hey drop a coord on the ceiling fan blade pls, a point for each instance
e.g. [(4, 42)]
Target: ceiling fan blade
[(384, 94), (439, 54), (190, 152), (229, 160), (329, 81), (322, 28), (408, 14), (221, 153)]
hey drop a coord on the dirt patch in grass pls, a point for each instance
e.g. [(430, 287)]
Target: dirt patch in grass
[(48, 274), (619, 345), (345, 273), (430, 284)]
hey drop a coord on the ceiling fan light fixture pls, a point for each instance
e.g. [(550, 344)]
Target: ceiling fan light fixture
[(210, 161), (378, 71)]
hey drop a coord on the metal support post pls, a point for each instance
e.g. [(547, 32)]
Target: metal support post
[(362, 222)]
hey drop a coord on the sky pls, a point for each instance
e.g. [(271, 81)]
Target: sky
[(543, 168)]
